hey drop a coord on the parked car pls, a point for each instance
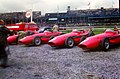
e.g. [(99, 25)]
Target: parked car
[(23, 26), (37, 39), (101, 41), (69, 39), (15, 38)]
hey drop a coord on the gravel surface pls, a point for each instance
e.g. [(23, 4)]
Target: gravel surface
[(45, 62)]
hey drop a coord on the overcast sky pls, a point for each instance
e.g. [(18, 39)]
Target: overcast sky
[(46, 6)]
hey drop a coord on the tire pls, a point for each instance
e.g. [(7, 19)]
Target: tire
[(37, 41), (82, 38), (69, 42), (105, 44)]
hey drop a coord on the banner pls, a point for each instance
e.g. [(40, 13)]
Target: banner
[(28, 13)]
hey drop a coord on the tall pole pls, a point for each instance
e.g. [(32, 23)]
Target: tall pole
[(119, 8), (89, 5), (31, 15), (57, 14)]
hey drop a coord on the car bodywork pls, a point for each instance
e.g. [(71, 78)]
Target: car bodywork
[(15, 38), (37, 39), (23, 26), (69, 39), (12, 39), (102, 41)]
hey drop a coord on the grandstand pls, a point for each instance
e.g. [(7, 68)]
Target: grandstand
[(16, 17), (102, 16)]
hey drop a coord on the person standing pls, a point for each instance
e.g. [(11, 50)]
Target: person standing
[(90, 32), (55, 28), (116, 29), (3, 43)]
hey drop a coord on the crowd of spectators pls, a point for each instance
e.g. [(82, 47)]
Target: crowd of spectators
[(96, 12), (15, 17)]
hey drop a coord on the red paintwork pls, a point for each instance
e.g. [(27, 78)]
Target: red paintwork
[(23, 26), (12, 39), (45, 37), (59, 41), (95, 41)]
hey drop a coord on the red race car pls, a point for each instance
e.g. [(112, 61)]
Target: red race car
[(37, 39), (69, 39), (102, 41), (15, 38)]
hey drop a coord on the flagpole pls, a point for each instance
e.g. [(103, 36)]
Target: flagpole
[(57, 12), (89, 5), (31, 15)]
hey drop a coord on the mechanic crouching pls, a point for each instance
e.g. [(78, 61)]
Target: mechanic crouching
[(3, 43)]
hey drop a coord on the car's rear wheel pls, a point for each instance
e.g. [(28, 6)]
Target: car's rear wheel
[(37, 41), (69, 42), (105, 44)]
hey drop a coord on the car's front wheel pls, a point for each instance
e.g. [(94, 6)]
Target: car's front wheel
[(37, 41), (69, 42), (105, 44)]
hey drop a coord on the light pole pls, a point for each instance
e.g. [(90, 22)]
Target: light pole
[(119, 8)]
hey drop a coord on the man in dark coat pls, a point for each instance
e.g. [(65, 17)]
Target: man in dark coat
[(90, 32), (3, 43)]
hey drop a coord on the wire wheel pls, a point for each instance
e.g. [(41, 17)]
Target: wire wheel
[(105, 44), (69, 42), (37, 41)]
